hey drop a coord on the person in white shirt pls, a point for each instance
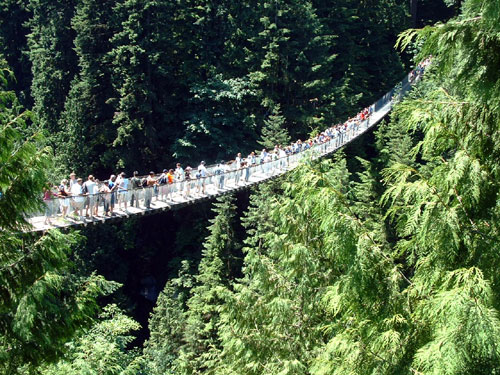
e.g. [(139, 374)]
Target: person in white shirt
[(72, 179), (202, 175), (220, 170), (237, 174), (78, 199), (122, 187), (179, 177), (90, 189), (282, 158)]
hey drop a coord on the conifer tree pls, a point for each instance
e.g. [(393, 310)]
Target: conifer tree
[(291, 63), (201, 352), (42, 303), (274, 132), (102, 349), (14, 16), (168, 324), (87, 117), (361, 36), (271, 322), (145, 61), (53, 60), (439, 197)]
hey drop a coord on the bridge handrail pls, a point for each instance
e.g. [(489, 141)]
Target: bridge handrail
[(235, 177)]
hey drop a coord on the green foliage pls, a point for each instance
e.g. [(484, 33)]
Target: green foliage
[(42, 303), (292, 64), (156, 80), (24, 167), (272, 320), (53, 61), (101, 349), (168, 323), (201, 352), (389, 269), (184, 324), (219, 116), (143, 77), (274, 132), (87, 117), (14, 15), (398, 270)]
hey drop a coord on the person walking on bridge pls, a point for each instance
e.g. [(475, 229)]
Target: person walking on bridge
[(237, 163), (163, 185), (122, 186), (187, 177), (202, 173), (78, 199), (64, 199), (179, 178), (170, 184), (136, 187), (90, 189), (150, 184)]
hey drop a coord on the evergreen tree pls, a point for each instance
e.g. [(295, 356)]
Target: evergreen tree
[(272, 322), (439, 199), (102, 349), (219, 123), (42, 303), (53, 61), (361, 36), (168, 323), (145, 76), (290, 63), (201, 352), (274, 132), (87, 117), (14, 15), (221, 115)]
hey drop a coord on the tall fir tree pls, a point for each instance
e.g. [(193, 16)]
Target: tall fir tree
[(101, 349), (362, 35), (272, 321), (274, 132), (290, 63), (14, 15), (145, 61), (53, 60), (202, 349), (220, 115), (87, 117), (168, 323)]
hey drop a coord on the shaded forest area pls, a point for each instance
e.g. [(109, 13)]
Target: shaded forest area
[(382, 260), (141, 84)]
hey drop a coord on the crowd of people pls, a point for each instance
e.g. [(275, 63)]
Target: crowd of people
[(78, 199), (419, 70)]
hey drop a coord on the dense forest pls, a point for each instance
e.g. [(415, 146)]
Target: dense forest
[(379, 260)]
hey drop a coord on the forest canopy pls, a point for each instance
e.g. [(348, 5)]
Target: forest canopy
[(380, 260)]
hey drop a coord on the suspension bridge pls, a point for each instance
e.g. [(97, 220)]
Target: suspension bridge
[(153, 199)]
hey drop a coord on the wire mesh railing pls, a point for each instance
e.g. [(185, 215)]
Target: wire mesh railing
[(74, 209)]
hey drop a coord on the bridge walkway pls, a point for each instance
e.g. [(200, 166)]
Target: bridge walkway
[(180, 194)]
